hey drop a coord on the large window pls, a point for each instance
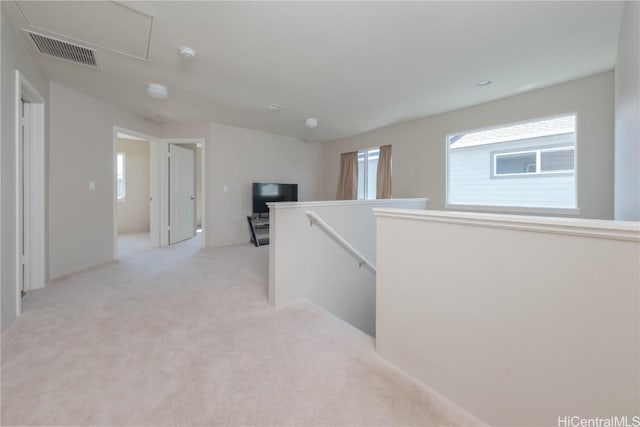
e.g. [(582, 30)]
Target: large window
[(526, 165), (120, 188), (367, 173)]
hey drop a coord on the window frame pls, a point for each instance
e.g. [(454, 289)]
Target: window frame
[(124, 176), (365, 174), (538, 172), (508, 208)]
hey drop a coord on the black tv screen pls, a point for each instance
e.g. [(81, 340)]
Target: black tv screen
[(266, 192)]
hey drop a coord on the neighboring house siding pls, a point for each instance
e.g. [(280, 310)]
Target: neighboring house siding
[(470, 171)]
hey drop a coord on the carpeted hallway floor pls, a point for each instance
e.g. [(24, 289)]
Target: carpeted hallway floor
[(186, 336)]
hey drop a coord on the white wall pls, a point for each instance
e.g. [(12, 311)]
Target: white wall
[(15, 56), (81, 150), (133, 210), (517, 319), (627, 95), (419, 145), (236, 158), (304, 262)]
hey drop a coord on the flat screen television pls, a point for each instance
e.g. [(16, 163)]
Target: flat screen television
[(266, 192)]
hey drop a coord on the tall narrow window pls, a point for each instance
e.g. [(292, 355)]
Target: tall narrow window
[(120, 161), (520, 165), (367, 173)]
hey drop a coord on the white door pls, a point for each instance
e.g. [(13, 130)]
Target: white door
[(24, 219), (154, 192), (22, 223), (182, 194)]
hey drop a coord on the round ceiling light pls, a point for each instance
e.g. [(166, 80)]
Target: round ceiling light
[(157, 91), (187, 53), (312, 122), (162, 117), (274, 107)]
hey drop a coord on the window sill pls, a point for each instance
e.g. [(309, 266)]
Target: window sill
[(515, 209), (122, 200)]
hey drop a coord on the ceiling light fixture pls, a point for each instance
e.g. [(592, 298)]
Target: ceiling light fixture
[(526, 87), (162, 117), (483, 83), (274, 107), (157, 91), (187, 53), (312, 122)]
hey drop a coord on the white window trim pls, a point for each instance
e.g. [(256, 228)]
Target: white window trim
[(515, 209)]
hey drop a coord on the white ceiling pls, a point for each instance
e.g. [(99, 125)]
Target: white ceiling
[(356, 66), (88, 22)]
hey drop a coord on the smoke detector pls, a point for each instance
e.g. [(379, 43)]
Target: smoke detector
[(311, 122), (187, 53), (157, 91)]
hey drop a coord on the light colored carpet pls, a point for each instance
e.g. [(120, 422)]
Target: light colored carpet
[(130, 243), (185, 336)]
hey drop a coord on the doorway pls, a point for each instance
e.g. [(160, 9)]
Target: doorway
[(133, 193), (185, 203), (30, 190), (159, 190)]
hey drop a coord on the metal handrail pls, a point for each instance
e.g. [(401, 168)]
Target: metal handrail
[(362, 261)]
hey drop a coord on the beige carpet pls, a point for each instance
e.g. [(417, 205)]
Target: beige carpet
[(185, 336)]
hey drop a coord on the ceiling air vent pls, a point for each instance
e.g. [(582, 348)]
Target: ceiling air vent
[(64, 50)]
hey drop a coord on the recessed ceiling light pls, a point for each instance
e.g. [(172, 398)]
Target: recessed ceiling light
[(157, 91), (483, 83), (526, 87), (274, 107), (162, 117), (312, 122), (187, 53)]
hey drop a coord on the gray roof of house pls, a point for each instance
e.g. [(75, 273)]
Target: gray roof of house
[(515, 132)]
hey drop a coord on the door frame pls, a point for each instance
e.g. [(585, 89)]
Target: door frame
[(154, 186), (159, 186), (164, 185), (33, 217)]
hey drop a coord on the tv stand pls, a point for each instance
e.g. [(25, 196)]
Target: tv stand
[(259, 227)]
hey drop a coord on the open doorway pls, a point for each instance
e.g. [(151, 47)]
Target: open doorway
[(185, 190), (30, 189), (133, 193), (185, 201), (142, 168)]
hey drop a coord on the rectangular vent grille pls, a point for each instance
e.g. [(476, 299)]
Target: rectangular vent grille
[(64, 50)]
